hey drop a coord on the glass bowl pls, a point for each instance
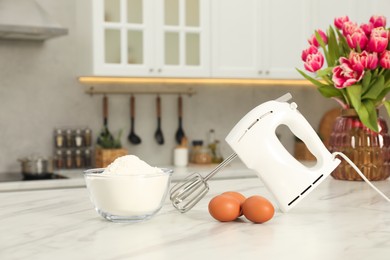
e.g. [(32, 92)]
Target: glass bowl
[(127, 198)]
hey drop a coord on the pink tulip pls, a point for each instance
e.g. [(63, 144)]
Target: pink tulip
[(378, 40), (378, 21), (344, 75), (357, 38), (384, 60), (313, 39), (367, 28), (349, 27), (314, 62), (364, 60), (339, 21), (311, 50)]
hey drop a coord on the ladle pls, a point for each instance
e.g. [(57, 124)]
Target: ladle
[(158, 134), (132, 137), (180, 132)]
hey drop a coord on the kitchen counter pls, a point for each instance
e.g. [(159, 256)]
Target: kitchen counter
[(75, 177), (338, 220)]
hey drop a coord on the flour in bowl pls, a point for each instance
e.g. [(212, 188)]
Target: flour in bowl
[(129, 165)]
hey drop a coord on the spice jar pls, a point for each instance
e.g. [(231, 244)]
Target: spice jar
[(59, 138), (59, 159), (69, 141), (196, 147), (78, 159), (78, 138), (87, 137), (87, 158), (69, 159)]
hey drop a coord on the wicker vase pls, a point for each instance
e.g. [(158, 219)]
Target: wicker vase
[(369, 150)]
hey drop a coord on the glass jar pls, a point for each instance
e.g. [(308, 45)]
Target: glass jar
[(59, 160), (78, 138), (69, 159), (87, 137), (69, 139), (78, 159), (59, 138), (370, 151)]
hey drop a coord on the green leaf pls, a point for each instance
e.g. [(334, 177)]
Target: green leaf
[(368, 116), (376, 88), (354, 94), (323, 46), (366, 81), (330, 91), (324, 72), (312, 80), (333, 46), (344, 47)]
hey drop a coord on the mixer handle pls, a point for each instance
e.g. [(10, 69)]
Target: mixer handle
[(301, 128)]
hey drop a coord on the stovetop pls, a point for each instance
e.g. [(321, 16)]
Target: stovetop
[(17, 176)]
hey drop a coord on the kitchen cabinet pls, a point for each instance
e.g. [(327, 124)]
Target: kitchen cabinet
[(258, 38), (151, 38)]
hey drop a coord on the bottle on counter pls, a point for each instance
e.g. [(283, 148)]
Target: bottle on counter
[(180, 154), (217, 157), (214, 146)]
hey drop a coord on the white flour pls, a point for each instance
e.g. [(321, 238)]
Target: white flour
[(130, 164), (120, 190)]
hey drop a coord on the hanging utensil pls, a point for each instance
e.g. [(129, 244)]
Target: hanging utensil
[(132, 137), (180, 132), (158, 134), (105, 135)]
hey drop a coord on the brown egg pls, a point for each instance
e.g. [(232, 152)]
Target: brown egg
[(238, 196), (258, 209), (224, 208)]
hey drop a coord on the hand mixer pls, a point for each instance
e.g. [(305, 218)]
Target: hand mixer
[(254, 141)]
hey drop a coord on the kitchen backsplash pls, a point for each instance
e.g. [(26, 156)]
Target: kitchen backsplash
[(39, 91)]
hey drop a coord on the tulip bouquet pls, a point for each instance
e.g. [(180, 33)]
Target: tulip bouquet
[(358, 65)]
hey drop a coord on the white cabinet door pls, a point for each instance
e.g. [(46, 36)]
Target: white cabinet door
[(235, 38), (258, 38), (151, 38), (182, 38), (284, 37)]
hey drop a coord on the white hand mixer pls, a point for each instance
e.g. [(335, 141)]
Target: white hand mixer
[(254, 141)]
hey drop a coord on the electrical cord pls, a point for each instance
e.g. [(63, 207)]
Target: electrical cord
[(360, 173)]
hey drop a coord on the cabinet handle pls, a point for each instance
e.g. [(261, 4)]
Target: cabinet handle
[(150, 70), (267, 72), (159, 70), (260, 72)]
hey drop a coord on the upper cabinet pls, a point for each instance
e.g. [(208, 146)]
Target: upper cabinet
[(213, 38), (151, 38), (258, 38)]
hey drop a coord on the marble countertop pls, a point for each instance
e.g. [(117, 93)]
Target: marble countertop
[(75, 177), (338, 220)]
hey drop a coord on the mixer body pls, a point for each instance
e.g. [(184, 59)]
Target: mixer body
[(255, 141)]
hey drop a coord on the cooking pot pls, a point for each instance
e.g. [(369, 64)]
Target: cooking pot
[(37, 166)]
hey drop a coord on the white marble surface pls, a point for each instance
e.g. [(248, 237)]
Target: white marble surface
[(338, 220), (75, 177)]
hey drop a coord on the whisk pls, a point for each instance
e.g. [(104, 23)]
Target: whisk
[(186, 194)]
